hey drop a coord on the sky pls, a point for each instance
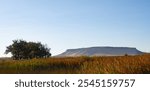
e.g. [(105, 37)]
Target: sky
[(67, 24)]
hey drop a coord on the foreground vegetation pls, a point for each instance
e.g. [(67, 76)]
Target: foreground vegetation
[(79, 65)]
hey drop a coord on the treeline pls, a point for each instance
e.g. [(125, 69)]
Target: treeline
[(21, 49)]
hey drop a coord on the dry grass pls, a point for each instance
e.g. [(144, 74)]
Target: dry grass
[(79, 65)]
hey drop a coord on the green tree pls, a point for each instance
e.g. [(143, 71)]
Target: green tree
[(21, 49)]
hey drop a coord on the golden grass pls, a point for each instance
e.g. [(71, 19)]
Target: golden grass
[(79, 65)]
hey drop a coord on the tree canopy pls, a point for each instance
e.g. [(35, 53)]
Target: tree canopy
[(21, 49)]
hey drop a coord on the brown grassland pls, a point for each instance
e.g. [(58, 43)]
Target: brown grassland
[(139, 64)]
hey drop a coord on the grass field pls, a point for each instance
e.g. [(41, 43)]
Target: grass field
[(78, 65)]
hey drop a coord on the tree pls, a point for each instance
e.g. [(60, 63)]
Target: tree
[(21, 49)]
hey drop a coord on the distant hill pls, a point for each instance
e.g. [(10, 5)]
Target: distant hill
[(100, 51)]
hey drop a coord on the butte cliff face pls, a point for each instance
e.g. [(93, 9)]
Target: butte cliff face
[(101, 51)]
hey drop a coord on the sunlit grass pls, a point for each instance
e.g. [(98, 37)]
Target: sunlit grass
[(79, 65)]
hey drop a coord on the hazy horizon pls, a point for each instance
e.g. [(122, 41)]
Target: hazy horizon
[(68, 24)]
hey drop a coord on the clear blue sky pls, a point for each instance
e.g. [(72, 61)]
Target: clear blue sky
[(63, 24)]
